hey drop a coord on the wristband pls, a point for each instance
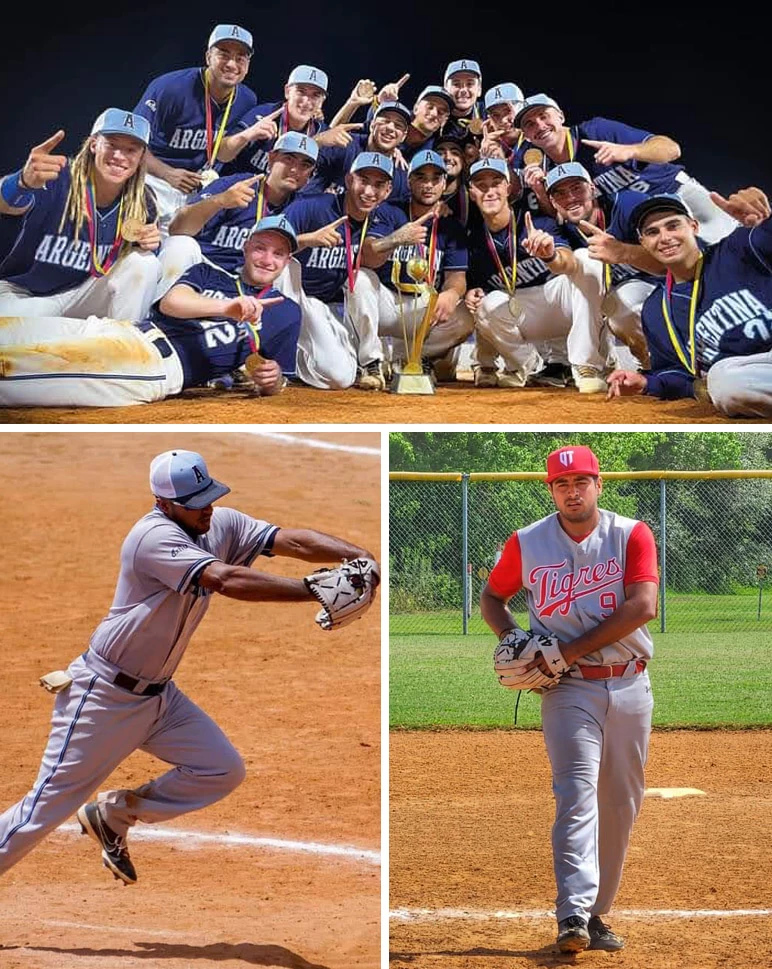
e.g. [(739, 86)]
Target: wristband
[(15, 193)]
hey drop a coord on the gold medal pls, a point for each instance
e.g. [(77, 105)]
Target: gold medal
[(253, 361), (515, 309), (476, 126), (208, 175), (417, 269), (609, 305), (366, 90), (533, 156), (132, 230)]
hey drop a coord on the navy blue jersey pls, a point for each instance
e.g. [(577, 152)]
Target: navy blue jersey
[(648, 177), (254, 157), (450, 250), (483, 269), (734, 310), (334, 163), (409, 151), (324, 268), (44, 260), (222, 238), (175, 107), (212, 347), (456, 125), (617, 217)]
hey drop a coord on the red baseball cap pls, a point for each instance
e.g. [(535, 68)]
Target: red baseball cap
[(571, 460)]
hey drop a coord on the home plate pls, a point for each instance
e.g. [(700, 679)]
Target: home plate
[(668, 792)]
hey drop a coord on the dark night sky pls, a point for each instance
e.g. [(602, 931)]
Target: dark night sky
[(592, 60)]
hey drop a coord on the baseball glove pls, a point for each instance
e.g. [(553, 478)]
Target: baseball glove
[(345, 593), (518, 648)]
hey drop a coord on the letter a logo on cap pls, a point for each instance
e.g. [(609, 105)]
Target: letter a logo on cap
[(497, 93), (303, 143), (199, 476), (567, 458), (463, 65), (235, 32), (312, 76), (128, 121), (376, 161)]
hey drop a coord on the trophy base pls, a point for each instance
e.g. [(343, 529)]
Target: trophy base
[(412, 383)]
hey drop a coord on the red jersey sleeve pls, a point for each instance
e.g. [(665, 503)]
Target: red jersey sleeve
[(641, 558), (506, 577)]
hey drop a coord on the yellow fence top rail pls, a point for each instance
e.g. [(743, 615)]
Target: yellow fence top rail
[(608, 475)]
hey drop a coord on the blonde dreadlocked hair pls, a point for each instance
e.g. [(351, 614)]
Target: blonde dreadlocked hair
[(82, 168)]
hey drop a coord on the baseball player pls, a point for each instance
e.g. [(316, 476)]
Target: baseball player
[(119, 696), (525, 289), (600, 228), (208, 325), (712, 315), (190, 111), (215, 223), (590, 578), (456, 194), (87, 237), (502, 103), (616, 155), (388, 130), (430, 115), (463, 82), (249, 148), (415, 230), (339, 343)]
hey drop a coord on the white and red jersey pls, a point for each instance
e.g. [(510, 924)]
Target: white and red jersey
[(572, 585)]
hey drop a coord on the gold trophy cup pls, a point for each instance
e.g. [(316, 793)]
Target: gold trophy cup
[(412, 379)]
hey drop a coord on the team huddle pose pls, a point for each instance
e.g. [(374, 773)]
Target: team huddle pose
[(204, 237)]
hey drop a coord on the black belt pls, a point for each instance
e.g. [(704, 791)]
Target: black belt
[(159, 342), (126, 682)]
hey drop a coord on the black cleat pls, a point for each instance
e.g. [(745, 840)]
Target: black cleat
[(601, 936), (572, 934), (115, 854)]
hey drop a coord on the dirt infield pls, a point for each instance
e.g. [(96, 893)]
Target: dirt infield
[(470, 817), (301, 705), (458, 403)]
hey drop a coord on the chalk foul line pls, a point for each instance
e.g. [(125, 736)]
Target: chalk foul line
[(195, 839), (476, 915), (314, 443)]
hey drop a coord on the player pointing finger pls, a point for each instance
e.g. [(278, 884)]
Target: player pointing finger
[(337, 137), (537, 242), (327, 236), (41, 166), (390, 92), (749, 206), (610, 153), (240, 194), (601, 245)]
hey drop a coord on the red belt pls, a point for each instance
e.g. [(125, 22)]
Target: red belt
[(606, 672)]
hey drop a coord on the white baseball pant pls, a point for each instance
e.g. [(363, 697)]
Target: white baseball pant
[(742, 386), (332, 347), (95, 726), (168, 201), (715, 224), (62, 362), (125, 293), (597, 738)]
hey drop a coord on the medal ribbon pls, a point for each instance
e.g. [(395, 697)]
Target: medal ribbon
[(310, 128), (352, 266), (252, 330), (213, 148), (432, 247), (260, 207), (691, 365), (98, 268), (606, 266), (510, 284)]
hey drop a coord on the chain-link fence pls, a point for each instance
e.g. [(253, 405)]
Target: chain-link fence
[(713, 532)]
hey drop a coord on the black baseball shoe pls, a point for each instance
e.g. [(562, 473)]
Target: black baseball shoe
[(601, 936), (115, 854), (572, 934)]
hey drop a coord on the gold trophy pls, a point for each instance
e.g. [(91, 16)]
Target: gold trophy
[(412, 379)]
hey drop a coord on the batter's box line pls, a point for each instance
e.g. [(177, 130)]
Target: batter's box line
[(470, 915), (195, 839), (314, 443)]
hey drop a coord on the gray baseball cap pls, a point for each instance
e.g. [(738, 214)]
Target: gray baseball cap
[(535, 101), (223, 32), (182, 477), (116, 121)]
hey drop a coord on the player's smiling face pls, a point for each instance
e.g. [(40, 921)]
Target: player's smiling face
[(543, 126), (304, 101), (289, 171), (489, 191), (430, 114), (228, 63), (503, 115), (453, 156), (387, 131), (116, 157), (427, 185), (669, 236), (366, 189), (465, 88), (576, 497), (265, 256), (574, 199)]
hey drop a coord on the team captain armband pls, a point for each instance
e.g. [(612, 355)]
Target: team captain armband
[(15, 192)]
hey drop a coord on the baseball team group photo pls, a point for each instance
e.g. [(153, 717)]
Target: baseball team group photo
[(182, 789), (438, 243), (579, 679)]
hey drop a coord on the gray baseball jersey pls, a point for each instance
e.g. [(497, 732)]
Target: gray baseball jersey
[(158, 605)]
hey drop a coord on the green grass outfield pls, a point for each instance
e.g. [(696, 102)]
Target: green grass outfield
[(716, 679)]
